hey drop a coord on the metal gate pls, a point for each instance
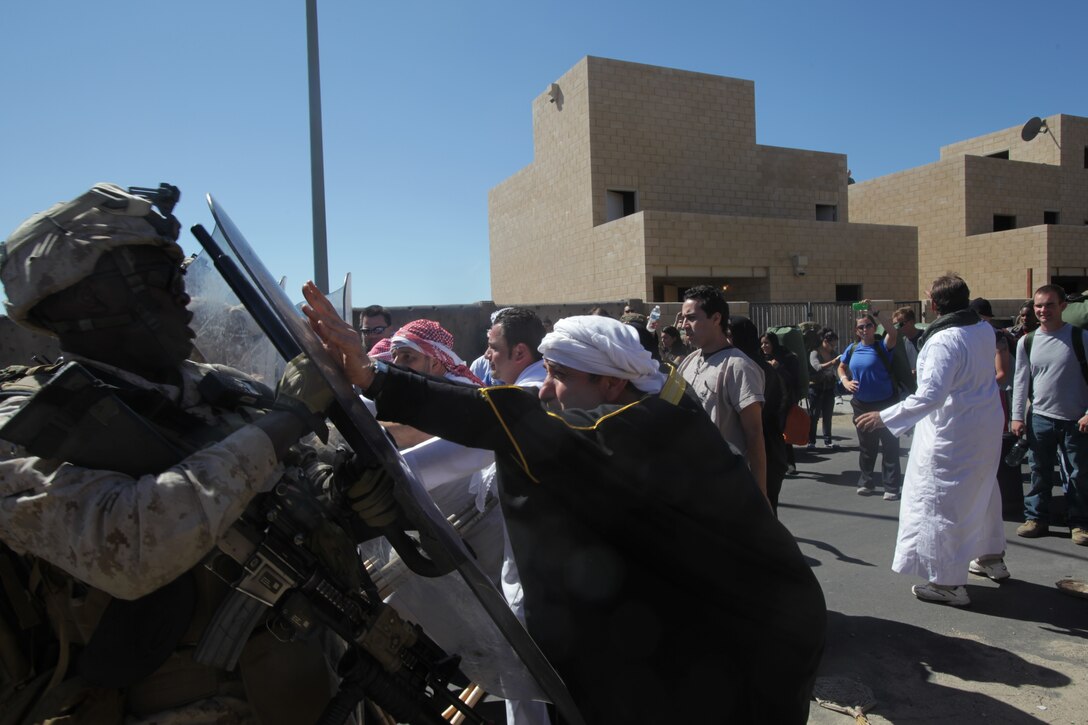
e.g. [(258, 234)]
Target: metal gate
[(839, 316)]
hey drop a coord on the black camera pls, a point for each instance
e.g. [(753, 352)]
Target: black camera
[(1016, 454)]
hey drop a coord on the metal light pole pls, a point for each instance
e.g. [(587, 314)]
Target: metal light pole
[(317, 162)]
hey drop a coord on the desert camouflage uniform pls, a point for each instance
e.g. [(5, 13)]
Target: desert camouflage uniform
[(128, 536)]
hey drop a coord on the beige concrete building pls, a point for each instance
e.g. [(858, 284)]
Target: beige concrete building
[(647, 180), (1007, 213)]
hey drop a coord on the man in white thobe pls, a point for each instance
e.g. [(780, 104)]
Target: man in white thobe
[(950, 519)]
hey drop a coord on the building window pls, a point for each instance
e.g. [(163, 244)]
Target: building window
[(827, 212), (848, 292), (999, 155), (1052, 217), (619, 204), (1086, 157), (1004, 222), (1071, 285)]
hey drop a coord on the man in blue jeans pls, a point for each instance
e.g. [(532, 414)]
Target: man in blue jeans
[(1049, 373)]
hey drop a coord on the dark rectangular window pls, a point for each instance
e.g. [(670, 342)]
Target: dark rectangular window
[(1071, 285), (1000, 155), (848, 292), (827, 212), (1004, 222), (619, 204), (1052, 217), (1086, 157)]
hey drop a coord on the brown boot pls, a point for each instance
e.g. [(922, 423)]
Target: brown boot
[(1032, 529)]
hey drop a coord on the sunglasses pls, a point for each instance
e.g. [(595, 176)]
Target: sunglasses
[(372, 330)]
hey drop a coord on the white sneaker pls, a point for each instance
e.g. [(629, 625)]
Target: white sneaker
[(993, 568), (930, 592)]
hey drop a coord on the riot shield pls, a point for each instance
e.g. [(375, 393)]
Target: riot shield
[(226, 333), (464, 612)]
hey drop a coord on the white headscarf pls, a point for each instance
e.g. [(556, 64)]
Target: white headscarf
[(603, 346)]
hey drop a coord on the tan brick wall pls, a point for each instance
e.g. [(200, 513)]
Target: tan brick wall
[(685, 143), (881, 258), (538, 216), (952, 203), (1063, 145), (1020, 189)]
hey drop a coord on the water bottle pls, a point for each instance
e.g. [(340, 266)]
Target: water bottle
[(1016, 454), (655, 317)]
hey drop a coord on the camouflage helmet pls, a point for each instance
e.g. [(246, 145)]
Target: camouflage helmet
[(56, 248)]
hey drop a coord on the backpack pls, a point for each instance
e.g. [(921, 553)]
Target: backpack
[(1076, 311), (793, 340), (885, 358)]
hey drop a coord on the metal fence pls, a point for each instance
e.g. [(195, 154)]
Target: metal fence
[(839, 316)]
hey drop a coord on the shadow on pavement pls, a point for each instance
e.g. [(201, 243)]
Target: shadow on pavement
[(1030, 602), (899, 662), (834, 551), (845, 478)]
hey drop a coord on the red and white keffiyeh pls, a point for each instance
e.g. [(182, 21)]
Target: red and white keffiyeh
[(382, 350), (431, 339)]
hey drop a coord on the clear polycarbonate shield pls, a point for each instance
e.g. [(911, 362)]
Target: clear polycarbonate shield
[(226, 334), (461, 610)]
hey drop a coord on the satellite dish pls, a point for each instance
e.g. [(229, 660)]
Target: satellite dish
[(1033, 128)]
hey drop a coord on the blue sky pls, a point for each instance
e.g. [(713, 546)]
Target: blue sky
[(426, 105)]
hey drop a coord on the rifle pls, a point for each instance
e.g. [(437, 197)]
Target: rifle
[(277, 559), (288, 558)]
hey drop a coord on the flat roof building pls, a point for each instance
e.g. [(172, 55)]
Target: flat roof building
[(647, 180), (1006, 210)]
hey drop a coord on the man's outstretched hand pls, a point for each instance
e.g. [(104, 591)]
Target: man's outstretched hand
[(340, 339)]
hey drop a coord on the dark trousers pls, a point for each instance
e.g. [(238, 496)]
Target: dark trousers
[(821, 404), (879, 440)]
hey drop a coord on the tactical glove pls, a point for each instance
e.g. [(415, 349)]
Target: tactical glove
[(303, 391), (371, 497)]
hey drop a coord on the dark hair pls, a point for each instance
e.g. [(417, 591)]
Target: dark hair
[(950, 294), (647, 338), (670, 330), (599, 311), (745, 337), (776, 346), (870, 318), (710, 300), (827, 333), (521, 325), (376, 310), (1055, 289)]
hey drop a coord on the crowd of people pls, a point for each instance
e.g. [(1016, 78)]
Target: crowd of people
[(613, 468)]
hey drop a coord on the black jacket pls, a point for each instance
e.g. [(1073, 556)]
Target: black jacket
[(656, 579)]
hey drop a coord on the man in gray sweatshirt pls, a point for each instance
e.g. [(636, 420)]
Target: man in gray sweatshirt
[(1049, 373)]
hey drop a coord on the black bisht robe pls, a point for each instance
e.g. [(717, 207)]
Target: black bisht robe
[(656, 579)]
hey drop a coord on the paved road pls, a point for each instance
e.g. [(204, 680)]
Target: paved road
[(1018, 654)]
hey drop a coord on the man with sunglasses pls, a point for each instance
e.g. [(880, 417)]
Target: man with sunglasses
[(375, 323), (102, 580)]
